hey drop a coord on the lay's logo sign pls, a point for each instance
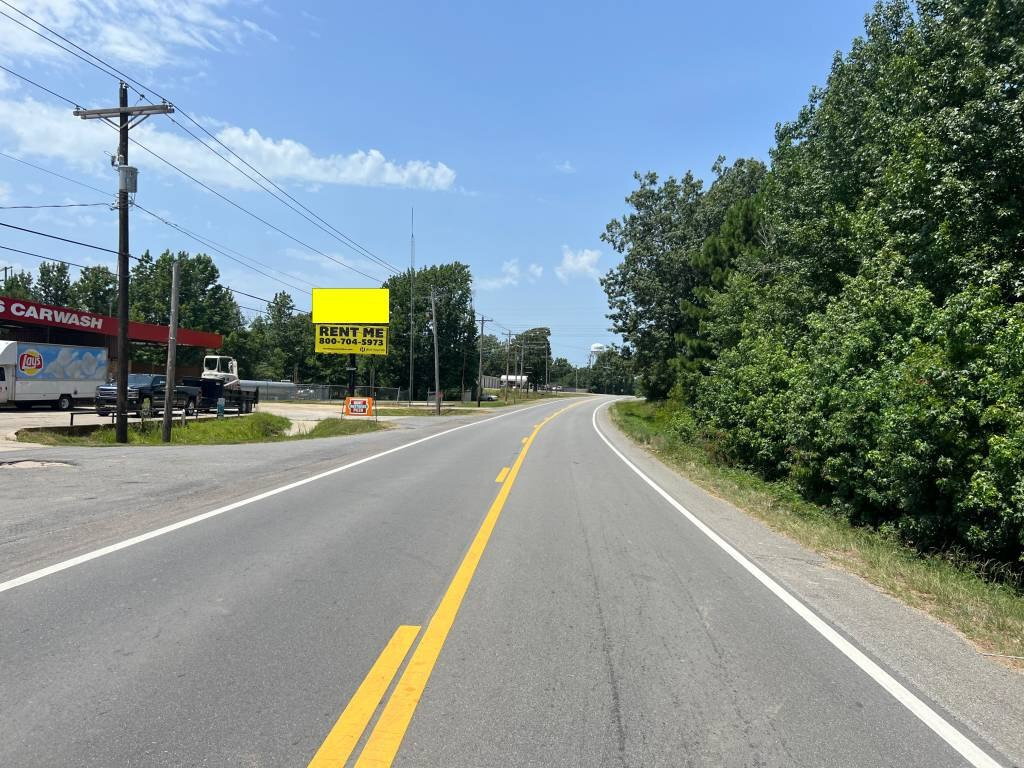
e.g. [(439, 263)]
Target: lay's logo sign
[(30, 362)]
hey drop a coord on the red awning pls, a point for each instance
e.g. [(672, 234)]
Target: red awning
[(34, 313)]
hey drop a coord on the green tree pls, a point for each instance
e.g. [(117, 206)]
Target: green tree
[(562, 372), (495, 355), (534, 349), (867, 345), (661, 275), (54, 283), (95, 290), (611, 372), (457, 331), (20, 286), (203, 303)]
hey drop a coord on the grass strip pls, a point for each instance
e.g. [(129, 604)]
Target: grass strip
[(253, 428), (989, 614)]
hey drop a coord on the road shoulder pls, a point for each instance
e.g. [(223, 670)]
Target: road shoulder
[(926, 654)]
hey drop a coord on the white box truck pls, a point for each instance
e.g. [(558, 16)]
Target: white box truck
[(58, 375)]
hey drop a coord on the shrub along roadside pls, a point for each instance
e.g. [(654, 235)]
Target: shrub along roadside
[(991, 615)]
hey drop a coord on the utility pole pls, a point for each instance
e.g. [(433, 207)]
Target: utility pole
[(437, 370), (6, 271), (480, 367), (522, 363), (412, 296), (508, 353), (172, 351), (128, 118)]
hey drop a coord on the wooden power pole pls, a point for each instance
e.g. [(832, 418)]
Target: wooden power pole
[(127, 118)]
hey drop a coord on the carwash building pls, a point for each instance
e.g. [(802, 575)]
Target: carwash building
[(33, 322)]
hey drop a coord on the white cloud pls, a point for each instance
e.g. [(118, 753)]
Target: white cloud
[(582, 262), (509, 276), (565, 167), (45, 130), (144, 32), (5, 193), (536, 272)]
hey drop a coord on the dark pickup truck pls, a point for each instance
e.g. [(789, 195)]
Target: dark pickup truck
[(146, 395)]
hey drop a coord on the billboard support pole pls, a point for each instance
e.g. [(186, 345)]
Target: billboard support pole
[(351, 375)]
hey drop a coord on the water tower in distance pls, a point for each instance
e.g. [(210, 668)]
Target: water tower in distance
[(597, 349)]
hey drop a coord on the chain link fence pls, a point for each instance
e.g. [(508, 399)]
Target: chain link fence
[(339, 391)]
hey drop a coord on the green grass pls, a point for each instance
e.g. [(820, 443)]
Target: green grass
[(991, 615), (404, 410), (341, 427), (254, 428)]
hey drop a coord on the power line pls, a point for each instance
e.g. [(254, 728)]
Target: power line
[(111, 70), (56, 237), (219, 194), (249, 295), (214, 247), (83, 266), (62, 205), (53, 173), (44, 258), (321, 224), (37, 85), (260, 298), (49, 40), (245, 210), (212, 244)]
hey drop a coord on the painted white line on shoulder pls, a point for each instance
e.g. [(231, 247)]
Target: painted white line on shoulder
[(970, 751), (84, 558)]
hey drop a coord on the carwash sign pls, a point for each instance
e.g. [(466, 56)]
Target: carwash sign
[(30, 311)]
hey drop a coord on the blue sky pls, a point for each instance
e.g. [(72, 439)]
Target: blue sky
[(512, 129)]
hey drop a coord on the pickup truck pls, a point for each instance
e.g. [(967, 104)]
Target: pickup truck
[(146, 395)]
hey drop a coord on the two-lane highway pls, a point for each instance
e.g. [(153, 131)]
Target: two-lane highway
[(510, 593)]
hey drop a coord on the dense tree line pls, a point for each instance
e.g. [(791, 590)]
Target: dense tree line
[(850, 320)]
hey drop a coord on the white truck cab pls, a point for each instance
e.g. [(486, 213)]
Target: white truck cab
[(221, 368)]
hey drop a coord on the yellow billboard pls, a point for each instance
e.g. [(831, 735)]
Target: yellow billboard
[(363, 306), (349, 339)]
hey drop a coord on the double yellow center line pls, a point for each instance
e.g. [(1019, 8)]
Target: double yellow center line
[(386, 737)]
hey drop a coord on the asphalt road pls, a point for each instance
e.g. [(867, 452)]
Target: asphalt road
[(412, 608)]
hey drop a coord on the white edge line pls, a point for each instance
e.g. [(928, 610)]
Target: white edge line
[(946, 731), (84, 558)]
